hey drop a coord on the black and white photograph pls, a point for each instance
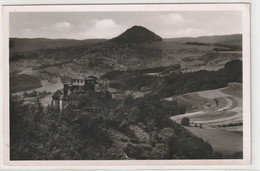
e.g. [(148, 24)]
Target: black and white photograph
[(128, 83)]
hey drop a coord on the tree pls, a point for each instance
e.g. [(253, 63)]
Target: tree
[(185, 121)]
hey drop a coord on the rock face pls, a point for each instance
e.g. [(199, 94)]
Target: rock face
[(137, 34)]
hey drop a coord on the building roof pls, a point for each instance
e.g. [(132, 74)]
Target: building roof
[(57, 94), (61, 97), (91, 77)]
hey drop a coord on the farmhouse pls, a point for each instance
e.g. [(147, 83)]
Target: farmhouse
[(89, 83)]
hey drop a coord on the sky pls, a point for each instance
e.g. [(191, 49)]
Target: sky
[(92, 25)]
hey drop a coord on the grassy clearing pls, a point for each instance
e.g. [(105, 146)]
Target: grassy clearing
[(212, 94), (234, 91), (194, 102), (200, 102)]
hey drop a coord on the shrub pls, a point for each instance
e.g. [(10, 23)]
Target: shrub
[(185, 121), (30, 94)]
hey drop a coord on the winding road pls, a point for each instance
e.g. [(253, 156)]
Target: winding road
[(217, 114), (225, 108)]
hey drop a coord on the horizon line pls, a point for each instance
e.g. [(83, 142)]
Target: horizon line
[(116, 36)]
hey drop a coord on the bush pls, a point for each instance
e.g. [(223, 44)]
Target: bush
[(185, 121), (30, 94)]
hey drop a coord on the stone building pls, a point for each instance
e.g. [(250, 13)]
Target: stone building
[(77, 86)]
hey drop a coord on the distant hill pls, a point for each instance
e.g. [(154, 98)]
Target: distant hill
[(233, 39), (26, 44), (136, 48), (137, 34)]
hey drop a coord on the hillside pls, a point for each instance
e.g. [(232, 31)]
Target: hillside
[(146, 132), (169, 81), (234, 39), (24, 44), (137, 34), (89, 58)]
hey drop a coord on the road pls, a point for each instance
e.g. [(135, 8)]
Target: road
[(216, 114), (212, 117)]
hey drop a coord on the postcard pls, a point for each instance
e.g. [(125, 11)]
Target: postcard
[(126, 85)]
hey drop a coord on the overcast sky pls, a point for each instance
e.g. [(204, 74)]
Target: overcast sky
[(86, 25)]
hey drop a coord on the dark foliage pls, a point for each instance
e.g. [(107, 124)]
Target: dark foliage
[(198, 43), (232, 124), (15, 57), (23, 82), (30, 94), (46, 135), (178, 83), (168, 140), (117, 74), (185, 121), (39, 135)]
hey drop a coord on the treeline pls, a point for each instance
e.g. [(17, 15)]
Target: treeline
[(29, 55), (198, 43), (138, 83), (34, 93), (180, 83), (225, 47), (201, 80), (117, 74)]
